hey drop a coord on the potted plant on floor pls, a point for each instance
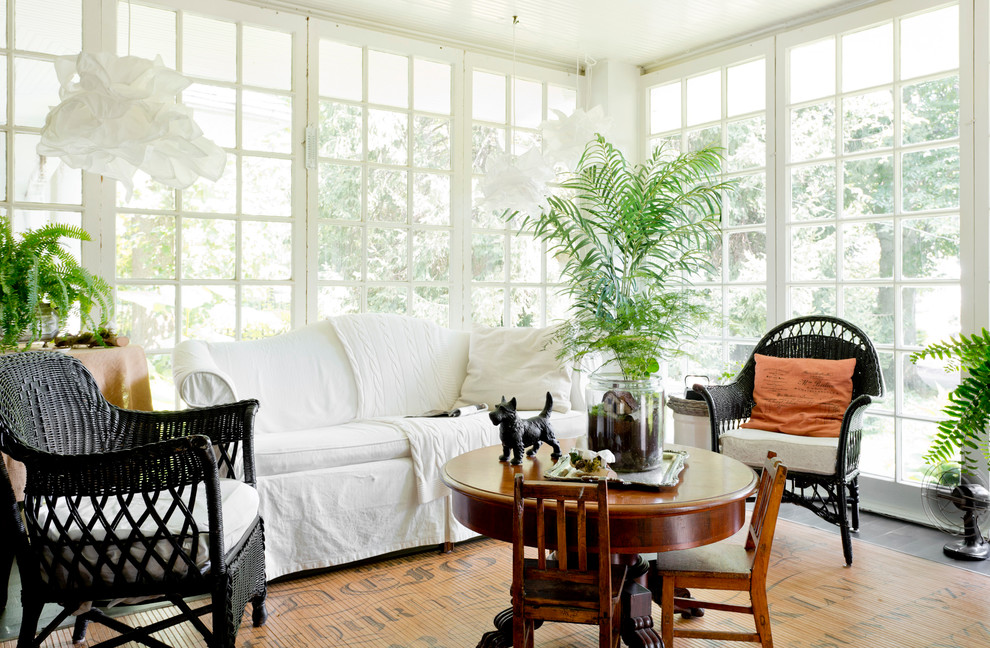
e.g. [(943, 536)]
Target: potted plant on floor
[(631, 238), (41, 280)]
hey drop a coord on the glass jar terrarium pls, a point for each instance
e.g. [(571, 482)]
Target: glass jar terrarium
[(626, 417)]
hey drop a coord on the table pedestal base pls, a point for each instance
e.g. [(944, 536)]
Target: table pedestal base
[(637, 617)]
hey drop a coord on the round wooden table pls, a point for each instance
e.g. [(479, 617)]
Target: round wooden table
[(707, 505)]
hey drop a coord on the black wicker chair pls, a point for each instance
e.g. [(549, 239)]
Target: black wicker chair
[(123, 505), (833, 490)]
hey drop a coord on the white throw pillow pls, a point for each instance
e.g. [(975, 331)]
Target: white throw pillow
[(515, 362)]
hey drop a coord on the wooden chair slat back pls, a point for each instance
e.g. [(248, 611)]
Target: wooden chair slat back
[(764, 519)]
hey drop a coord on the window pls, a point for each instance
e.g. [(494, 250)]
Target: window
[(513, 282), (872, 209), (698, 105), (386, 178), (36, 190), (215, 261)]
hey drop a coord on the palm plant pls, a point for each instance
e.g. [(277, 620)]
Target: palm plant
[(632, 236), (968, 410), (37, 269)]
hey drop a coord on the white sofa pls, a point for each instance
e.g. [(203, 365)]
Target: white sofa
[(342, 473)]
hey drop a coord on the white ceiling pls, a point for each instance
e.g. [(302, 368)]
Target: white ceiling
[(642, 32)]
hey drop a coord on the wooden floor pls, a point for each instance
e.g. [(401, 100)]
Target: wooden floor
[(427, 600)]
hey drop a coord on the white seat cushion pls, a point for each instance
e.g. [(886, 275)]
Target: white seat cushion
[(239, 506), (347, 444), (799, 453)]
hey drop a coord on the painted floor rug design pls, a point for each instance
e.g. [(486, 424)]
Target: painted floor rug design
[(428, 600)]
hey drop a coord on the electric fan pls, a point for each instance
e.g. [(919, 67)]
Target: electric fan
[(957, 502)]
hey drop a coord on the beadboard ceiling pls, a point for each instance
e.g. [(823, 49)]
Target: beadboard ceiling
[(642, 32)]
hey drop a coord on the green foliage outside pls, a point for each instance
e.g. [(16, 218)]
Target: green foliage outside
[(632, 235), (962, 435), (37, 269)]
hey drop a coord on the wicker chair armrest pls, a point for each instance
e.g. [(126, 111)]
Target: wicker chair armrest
[(728, 405), (851, 435), (168, 464), (229, 426)]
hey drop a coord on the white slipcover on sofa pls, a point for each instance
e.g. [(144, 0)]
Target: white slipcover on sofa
[(342, 473)]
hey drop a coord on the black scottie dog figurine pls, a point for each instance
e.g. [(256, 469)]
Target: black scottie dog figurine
[(516, 433)]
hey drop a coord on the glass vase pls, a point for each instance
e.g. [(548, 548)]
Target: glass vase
[(626, 416)]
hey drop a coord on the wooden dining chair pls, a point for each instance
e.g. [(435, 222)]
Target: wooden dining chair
[(573, 586), (725, 566)]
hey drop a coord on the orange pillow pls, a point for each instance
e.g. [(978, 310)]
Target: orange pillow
[(801, 396)]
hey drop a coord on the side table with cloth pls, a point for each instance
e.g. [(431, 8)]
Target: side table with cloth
[(121, 373)]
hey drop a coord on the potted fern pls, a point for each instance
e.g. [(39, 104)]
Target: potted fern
[(963, 434), (40, 278), (632, 236)]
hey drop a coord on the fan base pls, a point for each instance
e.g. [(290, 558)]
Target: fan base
[(967, 549)]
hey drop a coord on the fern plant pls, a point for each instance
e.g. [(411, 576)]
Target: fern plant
[(36, 269), (631, 237), (961, 435)]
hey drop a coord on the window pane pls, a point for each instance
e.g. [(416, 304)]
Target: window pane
[(209, 313), (431, 255), (811, 301), (387, 192), (704, 137), (812, 132), (35, 91), (431, 198), (387, 299), (747, 144), (930, 42), (432, 303), (930, 179), (916, 437), (748, 256), (340, 252), (146, 313), (266, 187), (872, 309), (387, 254), (487, 305), (747, 311), (208, 248), (431, 142), (43, 179), (431, 86), (813, 192), (215, 112), (868, 58), (878, 456), (337, 300), (747, 205), (51, 26), (704, 98), (145, 246), (926, 386), (868, 251), (930, 110), (868, 121), (146, 194), (746, 88), (266, 250), (868, 186), (152, 32), (340, 131), (340, 191), (488, 97), (487, 257), (209, 48), (562, 99), (812, 71), (267, 58), (486, 143), (388, 79), (525, 307), (265, 311), (929, 313), (526, 253), (387, 133), (218, 197), (931, 247), (340, 70), (665, 107), (266, 122), (528, 99), (812, 253)]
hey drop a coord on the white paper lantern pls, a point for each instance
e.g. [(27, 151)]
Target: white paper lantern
[(517, 182), (565, 138), (119, 114)]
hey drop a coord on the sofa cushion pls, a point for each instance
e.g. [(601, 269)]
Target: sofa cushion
[(515, 362), (302, 379), (402, 365), (799, 453), (239, 504), (329, 446)]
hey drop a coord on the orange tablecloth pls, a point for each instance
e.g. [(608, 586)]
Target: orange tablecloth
[(122, 376)]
